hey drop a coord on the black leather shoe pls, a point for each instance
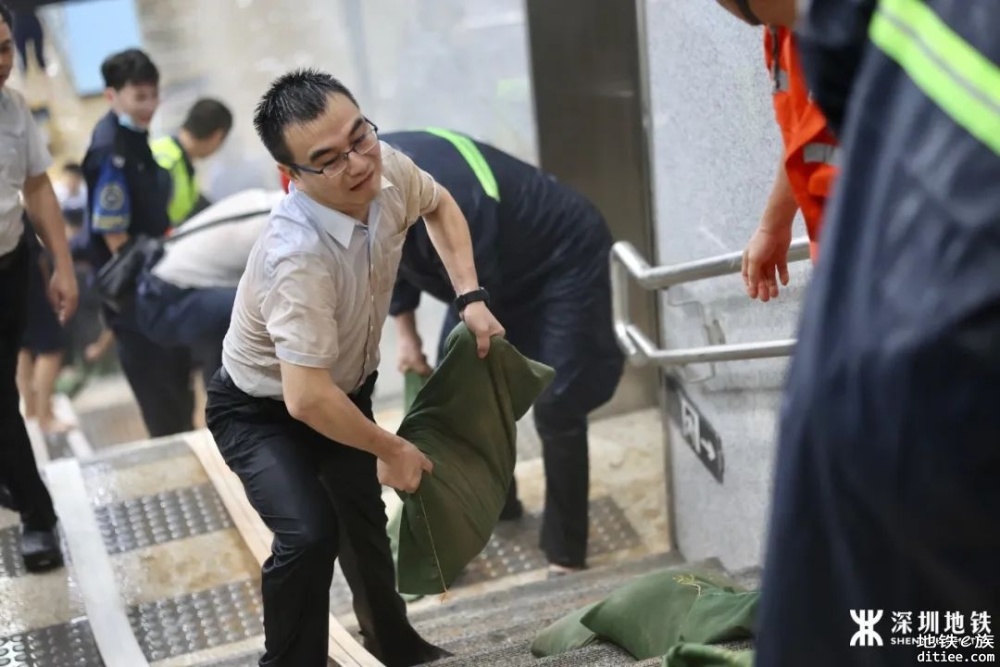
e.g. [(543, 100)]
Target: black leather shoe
[(7, 500), (40, 549)]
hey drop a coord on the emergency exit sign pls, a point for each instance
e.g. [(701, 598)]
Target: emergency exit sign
[(700, 436)]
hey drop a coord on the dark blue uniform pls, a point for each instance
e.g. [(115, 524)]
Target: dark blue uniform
[(542, 252), (886, 498), (128, 192)]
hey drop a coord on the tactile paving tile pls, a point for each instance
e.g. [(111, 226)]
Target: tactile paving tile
[(64, 645), (163, 517), (11, 564), (198, 621), (513, 549), (245, 660), (114, 425)]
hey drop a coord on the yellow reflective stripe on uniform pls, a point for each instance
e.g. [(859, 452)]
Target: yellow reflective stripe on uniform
[(473, 156), (184, 191), (951, 72), (825, 153)]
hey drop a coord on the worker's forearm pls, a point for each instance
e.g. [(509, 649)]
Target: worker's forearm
[(328, 410), (406, 325), (781, 205), (449, 232), (47, 219)]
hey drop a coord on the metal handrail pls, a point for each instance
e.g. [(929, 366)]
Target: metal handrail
[(626, 262)]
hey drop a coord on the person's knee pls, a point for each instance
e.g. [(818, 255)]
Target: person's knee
[(556, 417), (315, 538)]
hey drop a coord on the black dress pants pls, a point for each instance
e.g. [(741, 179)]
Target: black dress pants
[(18, 470), (322, 500)]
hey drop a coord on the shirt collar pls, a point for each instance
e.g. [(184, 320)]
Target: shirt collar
[(338, 225)]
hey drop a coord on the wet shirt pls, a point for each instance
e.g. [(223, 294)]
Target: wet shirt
[(22, 154), (316, 289)]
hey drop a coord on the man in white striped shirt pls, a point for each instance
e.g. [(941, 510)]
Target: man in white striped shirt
[(291, 408)]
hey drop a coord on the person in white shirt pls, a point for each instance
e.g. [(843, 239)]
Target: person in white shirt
[(24, 183), (291, 408), (186, 298)]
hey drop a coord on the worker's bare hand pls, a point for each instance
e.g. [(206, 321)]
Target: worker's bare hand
[(63, 293), (765, 262), (404, 469), (482, 324), (412, 357)]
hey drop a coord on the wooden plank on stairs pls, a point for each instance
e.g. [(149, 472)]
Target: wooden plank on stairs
[(92, 567), (343, 648)]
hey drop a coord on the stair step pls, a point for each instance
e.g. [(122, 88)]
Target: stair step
[(531, 608), (516, 594), (541, 603), (519, 655)]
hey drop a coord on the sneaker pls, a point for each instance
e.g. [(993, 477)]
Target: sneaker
[(40, 549)]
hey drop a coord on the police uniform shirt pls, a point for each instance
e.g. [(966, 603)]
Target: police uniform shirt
[(22, 155), (317, 284), (128, 190)]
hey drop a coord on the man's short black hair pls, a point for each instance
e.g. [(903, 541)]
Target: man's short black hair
[(6, 16), (73, 168), (131, 66), (208, 116), (294, 98)]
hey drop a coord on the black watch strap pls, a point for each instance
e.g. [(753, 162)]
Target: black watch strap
[(464, 300)]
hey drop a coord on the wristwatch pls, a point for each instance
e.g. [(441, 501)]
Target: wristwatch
[(464, 300)]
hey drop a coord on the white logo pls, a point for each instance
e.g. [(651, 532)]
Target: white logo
[(866, 634)]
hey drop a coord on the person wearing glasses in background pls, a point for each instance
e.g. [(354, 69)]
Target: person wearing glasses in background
[(291, 407)]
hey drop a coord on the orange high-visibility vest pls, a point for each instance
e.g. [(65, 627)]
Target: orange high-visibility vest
[(810, 148)]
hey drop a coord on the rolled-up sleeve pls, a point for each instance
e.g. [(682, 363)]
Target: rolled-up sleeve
[(299, 311), (39, 158)]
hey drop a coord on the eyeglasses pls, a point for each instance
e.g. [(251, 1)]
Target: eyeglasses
[(336, 166)]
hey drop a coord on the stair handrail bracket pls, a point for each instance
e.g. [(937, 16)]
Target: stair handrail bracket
[(627, 264)]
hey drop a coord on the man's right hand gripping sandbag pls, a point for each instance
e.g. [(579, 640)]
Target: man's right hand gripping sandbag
[(464, 419)]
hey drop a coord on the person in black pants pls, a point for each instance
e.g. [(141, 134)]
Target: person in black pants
[(23, 163), (542, 251), (128, 194), (290, 409)]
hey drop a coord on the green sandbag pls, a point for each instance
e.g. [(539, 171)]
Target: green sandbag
[(392, 527), (699, 655), (413, 382), (566, 634), (649, 615), (465, 420)]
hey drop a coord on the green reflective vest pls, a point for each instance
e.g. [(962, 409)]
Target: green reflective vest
[(184, 190)]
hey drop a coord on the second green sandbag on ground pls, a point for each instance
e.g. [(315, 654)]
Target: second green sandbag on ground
[(700, 655), (653, 613), (464, 419)]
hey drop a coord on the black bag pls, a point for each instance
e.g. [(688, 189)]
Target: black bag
[(117, 280)]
